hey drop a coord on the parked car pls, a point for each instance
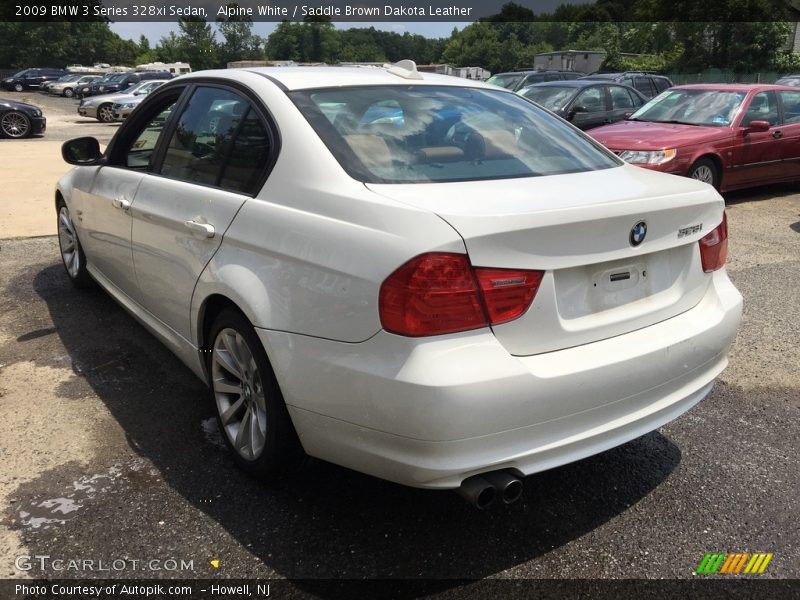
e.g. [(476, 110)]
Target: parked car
[(67, 88), (728, 135), (125, 104), (793, 80), (45, 87), (119, 82), (516, 80), (19, 120), (451, 300), (29, 79), (586, 103), (102, 107), (84, 90), (649, 84)]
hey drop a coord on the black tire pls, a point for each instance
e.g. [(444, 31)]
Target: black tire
[(705, 169), (18, 87), (71, 249), (105, 113), (258, 395), (15, 124), (68, 93)]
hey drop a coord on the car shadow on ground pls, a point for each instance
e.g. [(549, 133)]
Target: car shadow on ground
[(325, 521), (777, 190)]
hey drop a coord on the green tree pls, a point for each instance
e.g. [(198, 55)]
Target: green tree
[(238, 40), (197, 43)]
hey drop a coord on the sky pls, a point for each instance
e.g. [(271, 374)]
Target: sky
[(155, 31)]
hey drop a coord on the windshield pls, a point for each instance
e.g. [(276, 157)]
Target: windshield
[(506, 80), (396, 134), (712, 108), (551, 97), (116, 78)]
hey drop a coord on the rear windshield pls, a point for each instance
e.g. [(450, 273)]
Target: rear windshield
[(552, 97), (395, 134), (506, 80)]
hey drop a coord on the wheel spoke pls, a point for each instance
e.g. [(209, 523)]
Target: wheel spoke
[(224, 387), (224, 359), (243, 436), (226, 416)]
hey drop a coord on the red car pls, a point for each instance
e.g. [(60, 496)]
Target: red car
[(729, 135)]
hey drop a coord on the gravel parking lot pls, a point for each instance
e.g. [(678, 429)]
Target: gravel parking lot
[(109, 450)]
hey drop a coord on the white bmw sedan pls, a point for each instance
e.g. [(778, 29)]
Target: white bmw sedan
[(420, 277)]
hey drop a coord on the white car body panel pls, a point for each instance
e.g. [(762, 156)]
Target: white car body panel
[(305, 258)]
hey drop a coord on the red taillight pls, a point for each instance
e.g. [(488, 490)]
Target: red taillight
[(714, 247), (441, 293), (507, 293)]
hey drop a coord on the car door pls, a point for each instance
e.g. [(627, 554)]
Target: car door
[(215, 157), (104, 213), (589, 109), (757, 158), (790, 150)]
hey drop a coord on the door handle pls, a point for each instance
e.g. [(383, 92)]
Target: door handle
[(121, 203), (777, 134), (206, 229)]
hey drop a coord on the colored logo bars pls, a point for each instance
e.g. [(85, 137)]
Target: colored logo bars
[(734, 563)]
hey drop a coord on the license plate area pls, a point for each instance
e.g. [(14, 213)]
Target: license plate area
[(602, 287)]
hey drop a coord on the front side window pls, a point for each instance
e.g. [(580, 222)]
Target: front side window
[(590, 100), (763, 107), (445, 134), (140, 153)]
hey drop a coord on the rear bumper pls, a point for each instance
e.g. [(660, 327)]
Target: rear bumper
[(431, 412)]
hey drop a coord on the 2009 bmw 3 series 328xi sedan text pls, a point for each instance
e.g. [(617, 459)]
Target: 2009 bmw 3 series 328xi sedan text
[(423, 278)]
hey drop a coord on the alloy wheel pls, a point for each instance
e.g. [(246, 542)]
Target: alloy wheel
[(18, 87), (239, 394), (68, 93), (15, 125), (704, 173), (106, 113), (68, 241)]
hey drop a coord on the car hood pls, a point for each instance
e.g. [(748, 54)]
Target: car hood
[(640, 135), (113, 97), (13, 104)]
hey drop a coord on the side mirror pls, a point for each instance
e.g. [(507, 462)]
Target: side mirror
[(83, 151), (757, 126)]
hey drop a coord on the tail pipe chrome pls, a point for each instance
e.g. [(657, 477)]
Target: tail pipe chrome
[(481, 491)]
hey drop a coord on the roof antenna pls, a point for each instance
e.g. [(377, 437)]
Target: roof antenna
[(407, 69)]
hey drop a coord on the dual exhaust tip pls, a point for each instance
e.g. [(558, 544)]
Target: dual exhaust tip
[(483, 490)]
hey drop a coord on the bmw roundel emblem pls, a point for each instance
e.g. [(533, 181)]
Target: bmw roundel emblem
[(637, 233)]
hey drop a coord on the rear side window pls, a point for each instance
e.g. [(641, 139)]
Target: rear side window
[(662, 83), (621, 98), (643, 85), (791, 106), (431, 133), (219, 140)]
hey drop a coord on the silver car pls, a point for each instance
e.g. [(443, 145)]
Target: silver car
[(102, 107), (124, 106), (67, 88), (424, 278)]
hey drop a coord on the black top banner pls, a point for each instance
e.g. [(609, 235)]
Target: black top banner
[(399, 10)]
